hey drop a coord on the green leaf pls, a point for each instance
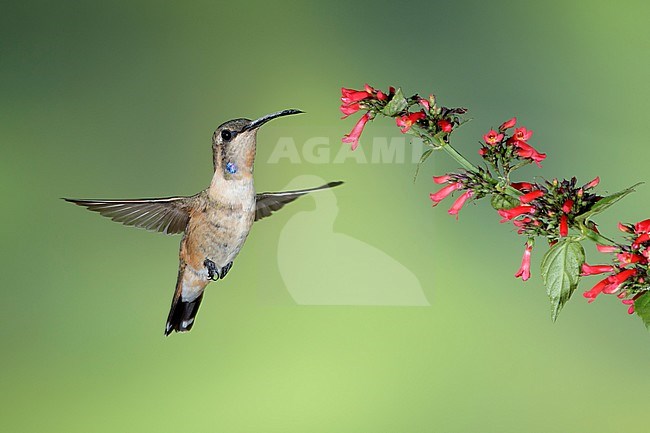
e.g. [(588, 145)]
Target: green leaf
[(606, 202), (425, 155), (561, 268), (503, 201), (642, 308), (395, 105)]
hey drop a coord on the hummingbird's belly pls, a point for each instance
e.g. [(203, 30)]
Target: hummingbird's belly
[(227, 237), (217, 234)]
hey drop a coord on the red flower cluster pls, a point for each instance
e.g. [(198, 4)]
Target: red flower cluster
[(454, 182), (432, 120), (500, 147), (628, 277), (354, 100), (549, 210)]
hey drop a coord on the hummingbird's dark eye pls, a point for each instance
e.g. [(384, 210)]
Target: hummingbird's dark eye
[(226, 135)]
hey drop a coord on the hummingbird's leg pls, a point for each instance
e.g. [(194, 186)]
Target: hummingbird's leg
[(225, 270), (213, 272)]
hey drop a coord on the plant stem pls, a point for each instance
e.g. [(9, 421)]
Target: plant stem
[(458, 157), (512, 192), (596, 237)]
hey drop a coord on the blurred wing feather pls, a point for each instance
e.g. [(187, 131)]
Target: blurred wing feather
[(166, 215), (269, 202)]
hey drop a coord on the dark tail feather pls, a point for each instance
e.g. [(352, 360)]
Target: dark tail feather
[(182, 314)]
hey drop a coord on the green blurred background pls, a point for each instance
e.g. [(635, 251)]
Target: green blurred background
[(119, 99)]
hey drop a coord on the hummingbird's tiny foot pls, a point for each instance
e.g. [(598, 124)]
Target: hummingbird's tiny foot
[(225, 270), (213, 272)]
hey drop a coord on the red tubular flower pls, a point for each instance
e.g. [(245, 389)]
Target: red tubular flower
[(528, 197), (437, 197), (593, 183), (630, 302), (596, 269), (627, 258), (369, 89), (508, 124), (642, 226), (522, 134), (606, 248), (350, 99), (596, 290), (350, 109), (522, 222), (405, 122), (524, 150), (522, 186), (483, 150), (445, 125), (350, 96), (425, 104), (508, 214), (353, 136), (625, 228), (564, 226), (381, 95), (460, 201), (492, 137), (615, 281), (524, 269), (566, 207), (645, 237), (441, 179)]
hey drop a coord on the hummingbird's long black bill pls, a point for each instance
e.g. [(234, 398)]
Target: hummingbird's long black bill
[(262, 120)]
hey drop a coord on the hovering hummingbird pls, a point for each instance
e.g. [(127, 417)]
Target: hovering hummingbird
[(215, 222)]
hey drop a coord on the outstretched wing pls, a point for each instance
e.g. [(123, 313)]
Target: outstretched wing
[(269, 202), (166, 215)]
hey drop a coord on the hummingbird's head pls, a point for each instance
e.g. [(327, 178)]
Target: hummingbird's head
[(233, 144)]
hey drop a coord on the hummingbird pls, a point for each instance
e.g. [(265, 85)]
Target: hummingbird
[(214, 222)]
